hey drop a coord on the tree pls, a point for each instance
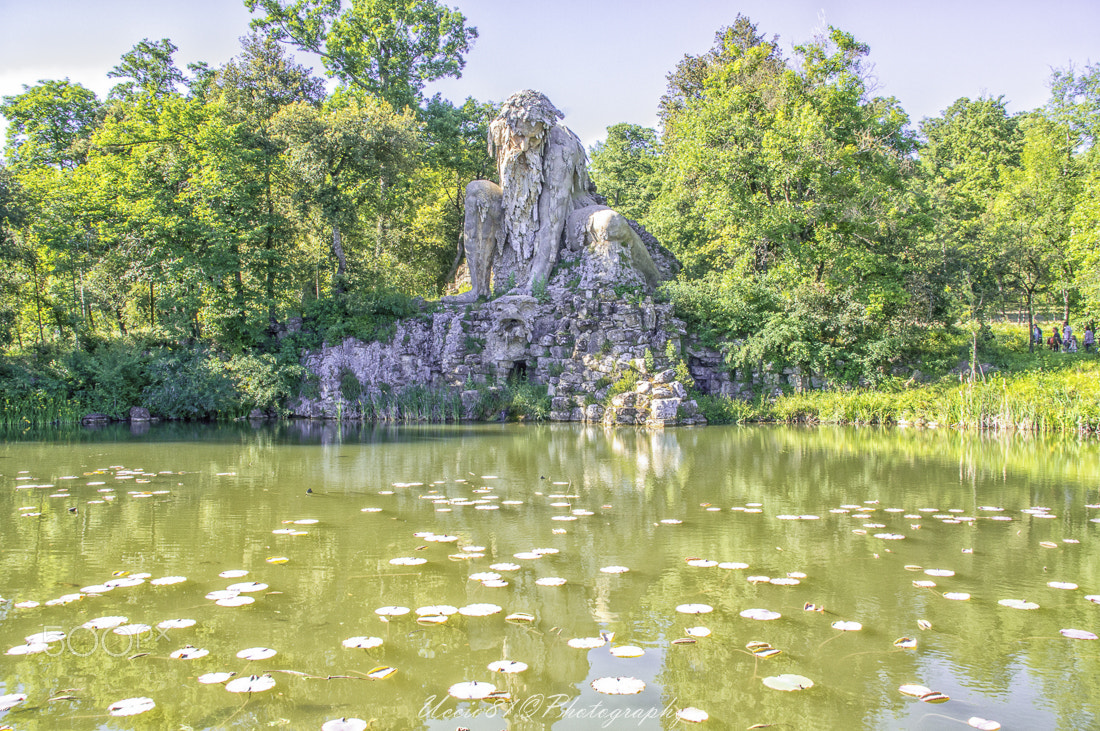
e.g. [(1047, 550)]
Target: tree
[(50, 124), (389, 48), (347, 160), (623, 168), (148, 69), (1031, 216), (964, 156), (790, 179)]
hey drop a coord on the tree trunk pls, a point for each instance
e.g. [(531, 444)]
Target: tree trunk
[(341, 261), (1031, 324)]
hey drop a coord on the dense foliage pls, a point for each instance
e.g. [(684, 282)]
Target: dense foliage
[(818, 230), (179, 243)]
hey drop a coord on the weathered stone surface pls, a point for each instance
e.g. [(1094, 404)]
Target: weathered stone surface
[(95, 418), (665, 376), (138, 413), (665, 410)]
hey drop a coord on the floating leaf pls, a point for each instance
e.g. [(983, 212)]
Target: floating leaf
[(251, 684), (214, 678), (906, 643), (408, 561), (692, 715), (587, 643), (520, 617), (982, 724), (701, 563), (1062, 585), (176, 624), (381, 673), (847, 626), (785, 581), (344, 724), (1018, 604), (276, 560), (550, 581), (614, 569), (507, 666), (935, 697), (924, 624), (392, 611), (235, 601), (694, 608), (733, 565), (697, 632), (763, 615), (1078, 634), (788, 682), (959, 596), (189, 653), (131, 706), (916, 691), (246, 587), (479, 610), (618, 686), (939, 572), (32, 649), (233, 574), (445, 609), (45, 637), (132, 629), (11, 700), (627, 651), (471, 690), (256, 653), (362, 643)]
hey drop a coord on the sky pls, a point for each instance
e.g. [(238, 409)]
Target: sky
[(604, 61)]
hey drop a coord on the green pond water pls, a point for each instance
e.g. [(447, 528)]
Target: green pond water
[(856, 516)]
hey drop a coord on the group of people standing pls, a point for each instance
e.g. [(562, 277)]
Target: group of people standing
[(1064, 340)]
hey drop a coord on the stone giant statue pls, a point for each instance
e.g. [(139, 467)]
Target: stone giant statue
[(514, 231)]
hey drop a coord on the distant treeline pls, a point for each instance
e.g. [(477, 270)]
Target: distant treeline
[(193, 213)]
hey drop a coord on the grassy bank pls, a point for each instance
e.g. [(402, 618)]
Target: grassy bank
[(1040, 391)]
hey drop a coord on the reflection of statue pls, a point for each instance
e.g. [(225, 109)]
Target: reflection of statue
[(514, 231)]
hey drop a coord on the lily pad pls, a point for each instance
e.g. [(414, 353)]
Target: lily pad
[(788, 682), (692, 715), (344, 724), (251, 684), (618, 686), (507, 666), (256, 653), (131, 706), (471, 690), (763, 615), (215, 678)]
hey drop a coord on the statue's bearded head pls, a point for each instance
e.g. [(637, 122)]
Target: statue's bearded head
[(517, 138)]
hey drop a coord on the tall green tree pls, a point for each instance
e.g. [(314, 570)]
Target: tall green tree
[(1031, 216), (348, 160), (965, 157), (387, 48), (624, 167), (50, 124), (784, 184)]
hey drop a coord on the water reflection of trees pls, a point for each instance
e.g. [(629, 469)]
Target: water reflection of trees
[(340, 572)]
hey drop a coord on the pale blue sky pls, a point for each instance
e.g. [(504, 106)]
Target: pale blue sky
[(605, 61)]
